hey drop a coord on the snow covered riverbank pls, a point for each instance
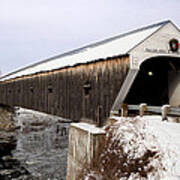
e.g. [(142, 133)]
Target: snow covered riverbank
[(139, 149)]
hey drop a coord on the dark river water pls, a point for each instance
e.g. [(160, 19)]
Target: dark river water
[(40, 149)]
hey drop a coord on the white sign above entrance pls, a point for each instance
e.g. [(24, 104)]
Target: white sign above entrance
[(160, 51)]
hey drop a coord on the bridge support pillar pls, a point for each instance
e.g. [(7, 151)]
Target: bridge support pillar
[(85, 142)]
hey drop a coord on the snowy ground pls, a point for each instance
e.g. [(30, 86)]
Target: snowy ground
[(138, 148), (168, 136)]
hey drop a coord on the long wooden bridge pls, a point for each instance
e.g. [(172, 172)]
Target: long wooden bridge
[(141, 66)]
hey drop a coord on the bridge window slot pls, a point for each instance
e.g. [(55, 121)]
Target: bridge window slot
[(32, 89), (87, 88), (50, 89)]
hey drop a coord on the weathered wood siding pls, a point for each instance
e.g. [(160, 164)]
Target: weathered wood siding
[(62, 92)]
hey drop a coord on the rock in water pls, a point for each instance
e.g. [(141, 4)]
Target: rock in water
[(6, 118), (10, 167)]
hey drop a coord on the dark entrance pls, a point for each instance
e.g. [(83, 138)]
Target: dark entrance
[(151, 85)]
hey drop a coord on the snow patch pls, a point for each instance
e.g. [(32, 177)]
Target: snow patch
[(139, 148), (89, 128)]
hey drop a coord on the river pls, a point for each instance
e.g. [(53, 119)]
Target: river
[(40, 149)]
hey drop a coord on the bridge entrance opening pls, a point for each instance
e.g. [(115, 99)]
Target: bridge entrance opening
[(157, 83)]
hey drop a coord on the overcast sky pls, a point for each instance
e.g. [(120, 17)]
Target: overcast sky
[(34, 30)]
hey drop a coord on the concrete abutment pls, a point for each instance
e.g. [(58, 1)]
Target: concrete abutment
[(85, 143)]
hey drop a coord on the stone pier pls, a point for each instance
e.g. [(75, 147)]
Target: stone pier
[(85, 142)]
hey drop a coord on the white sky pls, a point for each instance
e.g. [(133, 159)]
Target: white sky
[(37, 29)]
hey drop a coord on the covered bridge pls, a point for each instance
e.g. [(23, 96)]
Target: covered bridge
[(135, 67)]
